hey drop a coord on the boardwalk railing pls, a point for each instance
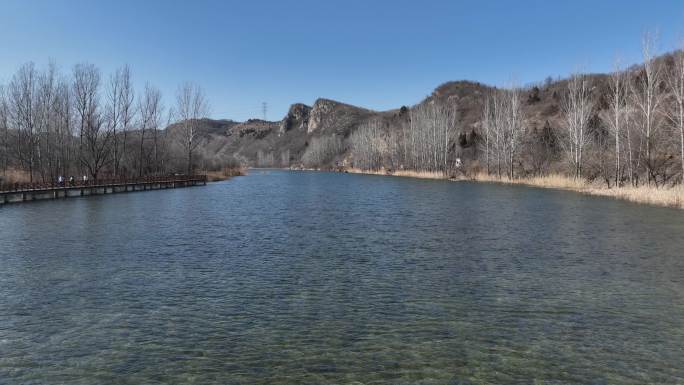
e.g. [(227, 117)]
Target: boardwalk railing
[(111, 182)]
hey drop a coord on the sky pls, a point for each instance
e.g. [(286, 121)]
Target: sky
[(376, 54)]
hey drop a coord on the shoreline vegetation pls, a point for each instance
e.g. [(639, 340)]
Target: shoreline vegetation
[(55, 125), (225, 173), (18, 176), (661, 196)]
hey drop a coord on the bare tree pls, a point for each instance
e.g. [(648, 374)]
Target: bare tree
[(432, 129), (487, 128), (64, 127), (114, 115), (503, 128), (22, 90), (96, 145), (495, 119), (676, 113), (577, 107), (513, 127), (120, 113), (498, 127), (95, 136), (615, 116), (191, 106), (4, 129), (45, 121), (321, 151), (86, 80), (539, 148), (368, 146), (648, 98), (126, 106), (151, 111)]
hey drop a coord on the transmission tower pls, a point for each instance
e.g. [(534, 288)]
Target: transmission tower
[(264, 109)]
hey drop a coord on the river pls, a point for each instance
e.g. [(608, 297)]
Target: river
[(284, 277)]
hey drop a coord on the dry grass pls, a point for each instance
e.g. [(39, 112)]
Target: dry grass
[(403, 173), (226, 173), (15, 176), (550, 181), (662, 196)]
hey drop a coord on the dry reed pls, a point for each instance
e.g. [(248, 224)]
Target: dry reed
[(226, 173), (659, 196), (15, 176)]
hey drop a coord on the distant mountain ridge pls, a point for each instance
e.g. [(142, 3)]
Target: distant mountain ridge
[(283, 143), (292, 134)]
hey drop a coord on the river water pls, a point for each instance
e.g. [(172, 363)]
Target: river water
[(320, 278)]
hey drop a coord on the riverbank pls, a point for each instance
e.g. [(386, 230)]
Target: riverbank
[(402, 173), (225, 174), (662, 196)]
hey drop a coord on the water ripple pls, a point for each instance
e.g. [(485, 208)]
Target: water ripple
[(315, 278)]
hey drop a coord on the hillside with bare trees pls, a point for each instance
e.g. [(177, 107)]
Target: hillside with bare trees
[(619, 129)]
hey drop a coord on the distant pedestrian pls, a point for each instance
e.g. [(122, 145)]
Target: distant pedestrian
[(71, 180), (85, 179), (60, 181)]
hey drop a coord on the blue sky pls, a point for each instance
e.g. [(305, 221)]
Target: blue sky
[(377, 54)]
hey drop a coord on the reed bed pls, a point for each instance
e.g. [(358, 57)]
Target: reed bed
[(15, 176), (403, 173), (224, 174), (659, 196)]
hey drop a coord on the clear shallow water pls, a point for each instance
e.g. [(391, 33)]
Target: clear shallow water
[(315, 278)]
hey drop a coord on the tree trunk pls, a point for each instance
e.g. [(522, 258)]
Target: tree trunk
[(617, 159), (140, 161)]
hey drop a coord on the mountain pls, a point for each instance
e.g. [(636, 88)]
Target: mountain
[(283, 143), (258, 142)]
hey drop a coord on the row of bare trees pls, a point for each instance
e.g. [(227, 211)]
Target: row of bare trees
[(625, 128), (425, 143), (502, 124), (633, 120), (53, 124), (645, 118), (322, 150)]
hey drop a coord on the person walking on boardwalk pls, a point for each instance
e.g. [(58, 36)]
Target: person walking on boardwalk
[(60, 181), (71, 180)]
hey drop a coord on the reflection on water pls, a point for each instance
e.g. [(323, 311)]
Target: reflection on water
[(316, 278)]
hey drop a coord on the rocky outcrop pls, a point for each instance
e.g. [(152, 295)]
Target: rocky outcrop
[(335, 117), (297, 118), (325, 115), (321, 109), (256, 128)]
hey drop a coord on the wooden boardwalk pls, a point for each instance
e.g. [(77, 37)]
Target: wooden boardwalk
[(24, 192)]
